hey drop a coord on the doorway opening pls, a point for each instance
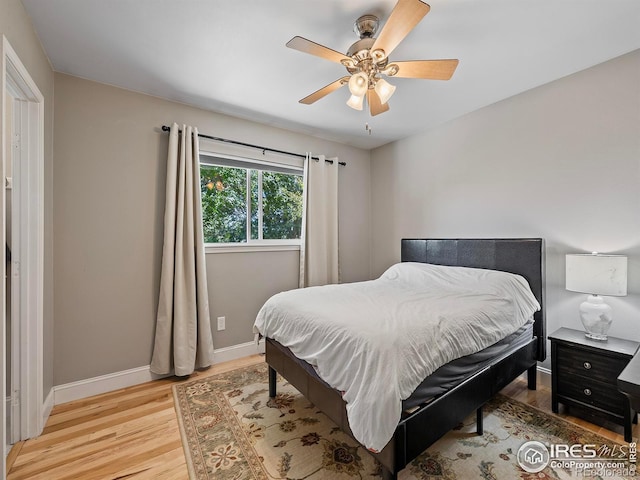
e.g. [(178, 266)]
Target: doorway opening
[(22, 212)]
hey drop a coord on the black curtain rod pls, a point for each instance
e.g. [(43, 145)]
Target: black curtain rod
[(165, 128)]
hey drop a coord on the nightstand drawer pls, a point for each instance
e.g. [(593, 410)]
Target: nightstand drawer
[(594, 393), (574, 361)]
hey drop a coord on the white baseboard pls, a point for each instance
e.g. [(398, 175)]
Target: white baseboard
[(544, 376), (234, 352), (135, 376), (102, 384)]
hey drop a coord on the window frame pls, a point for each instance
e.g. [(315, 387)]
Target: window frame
[(208, 158)]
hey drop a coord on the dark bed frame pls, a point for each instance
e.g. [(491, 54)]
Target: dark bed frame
[(420, 429)]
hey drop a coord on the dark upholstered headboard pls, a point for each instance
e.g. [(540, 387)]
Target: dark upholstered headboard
[(523, 256)]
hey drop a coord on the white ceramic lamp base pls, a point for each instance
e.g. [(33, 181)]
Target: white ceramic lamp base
[(596, 317)]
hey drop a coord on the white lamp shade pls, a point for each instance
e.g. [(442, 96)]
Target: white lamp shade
[(355, 102), (358, 84), (597, 274), (384, 90)]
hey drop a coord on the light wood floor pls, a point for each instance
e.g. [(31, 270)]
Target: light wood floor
[(133, 433)]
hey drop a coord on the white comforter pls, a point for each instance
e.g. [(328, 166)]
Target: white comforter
[(377, 340)]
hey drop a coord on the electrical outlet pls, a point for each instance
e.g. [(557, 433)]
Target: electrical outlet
[(221, 323)]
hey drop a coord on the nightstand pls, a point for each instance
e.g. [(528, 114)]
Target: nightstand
[(584, 374)]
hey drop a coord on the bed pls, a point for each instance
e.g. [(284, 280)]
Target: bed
[(464, 390)]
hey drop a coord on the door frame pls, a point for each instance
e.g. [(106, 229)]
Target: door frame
[(28, 264)]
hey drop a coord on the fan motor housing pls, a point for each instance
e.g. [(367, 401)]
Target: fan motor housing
[(360, 51)]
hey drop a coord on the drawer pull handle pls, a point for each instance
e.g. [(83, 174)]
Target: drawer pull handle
[(587, 392), (587, 365)]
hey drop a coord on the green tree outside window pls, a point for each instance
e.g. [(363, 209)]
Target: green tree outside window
[(224, 204)]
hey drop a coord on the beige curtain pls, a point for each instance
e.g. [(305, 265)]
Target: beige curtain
[(319, 252), (183, 333)]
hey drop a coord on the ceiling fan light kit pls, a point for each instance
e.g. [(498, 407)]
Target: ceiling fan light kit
[(356, 102), (367, 60), (358, 84), (384, 90)]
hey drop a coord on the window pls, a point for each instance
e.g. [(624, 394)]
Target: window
[(249, 202)]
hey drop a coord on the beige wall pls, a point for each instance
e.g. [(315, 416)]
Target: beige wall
[(109, 205), (240, 283), (16, 26), (561, 162)]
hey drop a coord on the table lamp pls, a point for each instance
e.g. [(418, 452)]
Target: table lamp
[(597, 275)]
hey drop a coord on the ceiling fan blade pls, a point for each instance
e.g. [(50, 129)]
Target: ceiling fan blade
[(307, 46), (375, 106), (405, 15), (429, 69), (324, 91)]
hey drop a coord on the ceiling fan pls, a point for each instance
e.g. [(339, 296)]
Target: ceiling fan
[(367, 60)]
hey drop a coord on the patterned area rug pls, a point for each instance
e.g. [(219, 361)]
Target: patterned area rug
[(232, 430)]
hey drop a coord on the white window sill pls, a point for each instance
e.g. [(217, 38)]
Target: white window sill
[(246, 248)]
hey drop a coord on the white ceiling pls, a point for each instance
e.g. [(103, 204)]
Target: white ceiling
[(230, 55)]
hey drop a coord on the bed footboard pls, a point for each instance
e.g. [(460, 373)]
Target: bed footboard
[(419, 430)]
